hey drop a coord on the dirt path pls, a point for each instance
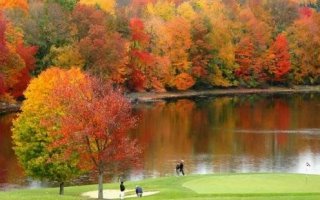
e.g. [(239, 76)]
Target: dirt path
[(114, 194)]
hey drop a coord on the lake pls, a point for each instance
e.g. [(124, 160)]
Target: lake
[(225, 134)]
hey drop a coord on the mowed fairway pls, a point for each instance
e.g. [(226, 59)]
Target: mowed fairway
[(255, 184), (196, 187)]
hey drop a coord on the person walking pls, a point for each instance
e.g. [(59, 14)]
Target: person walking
[(178, 168), (181, 167), (122, 189), (139, 191)]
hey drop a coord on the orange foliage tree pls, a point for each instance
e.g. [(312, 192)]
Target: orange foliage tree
[(22, 4), (140, 59), (305, 54), (252, 46), (245, 58), (16, 60), (104, 51), (278, 59), (184, 81), (172, 41), (38, 158), (94, 124), (200, 51)]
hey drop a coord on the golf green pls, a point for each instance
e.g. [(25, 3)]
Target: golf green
[(255, 184)]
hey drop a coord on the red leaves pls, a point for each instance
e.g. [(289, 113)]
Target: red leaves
[(137, 31), (137, 3), (305, 12), (278, 59), (16, 61), (141, 60), (23, 77), (245, 58), (84, 17), (2, 85), (96, 120), (138, 80), (144, 57), (3, 47)]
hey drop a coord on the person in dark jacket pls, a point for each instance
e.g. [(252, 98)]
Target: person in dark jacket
[(122, 189), (181, 167), (139, 191), (178, 168)]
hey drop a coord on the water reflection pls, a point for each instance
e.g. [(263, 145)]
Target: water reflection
[(254, 133), (274, 133), (11, 174)]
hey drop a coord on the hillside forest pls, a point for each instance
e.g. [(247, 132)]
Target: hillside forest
[(161, 45)]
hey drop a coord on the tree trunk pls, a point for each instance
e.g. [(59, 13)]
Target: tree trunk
[(61, 188), (100, 187)]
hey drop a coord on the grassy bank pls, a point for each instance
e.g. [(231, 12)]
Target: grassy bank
[(199, 187)]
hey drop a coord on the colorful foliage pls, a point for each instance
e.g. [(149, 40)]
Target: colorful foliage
[(31, 133), (2, 85), (164, 9), (16, 60), (107, 6), (94, 124), (278, 59), (145, 44), (184, 81), (140, 59), (46, 25), (22, 4), (66, 57), (305, 54)]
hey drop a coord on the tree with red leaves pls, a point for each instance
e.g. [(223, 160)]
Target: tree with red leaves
[(104, 50), (140, 59), (245, 58), (95, 125), (3, 52), (2, 85), (16, 60), (278, 59), (27, 54)]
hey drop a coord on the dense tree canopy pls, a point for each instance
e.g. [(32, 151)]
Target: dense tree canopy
[(32, 136), (71, 122), (159, 45)]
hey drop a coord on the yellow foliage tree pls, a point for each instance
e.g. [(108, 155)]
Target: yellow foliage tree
[(106, 5), (32, 137), (186, 11), (163, 8), (66, 57)]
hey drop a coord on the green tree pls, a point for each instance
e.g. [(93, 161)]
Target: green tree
[(67, 4), (46, 25), (31, 136)]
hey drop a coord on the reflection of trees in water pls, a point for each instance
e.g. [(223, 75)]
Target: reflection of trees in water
[(216, 133), (188, 128), (9, 168)]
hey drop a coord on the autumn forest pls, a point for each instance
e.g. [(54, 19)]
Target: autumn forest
[(161, 45)]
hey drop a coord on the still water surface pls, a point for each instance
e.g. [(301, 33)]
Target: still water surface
[(250, 133)]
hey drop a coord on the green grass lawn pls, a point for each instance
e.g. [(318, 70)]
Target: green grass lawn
[(198, 187)]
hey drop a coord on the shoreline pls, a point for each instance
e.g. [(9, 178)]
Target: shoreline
[(6, 108), (153, 96)]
